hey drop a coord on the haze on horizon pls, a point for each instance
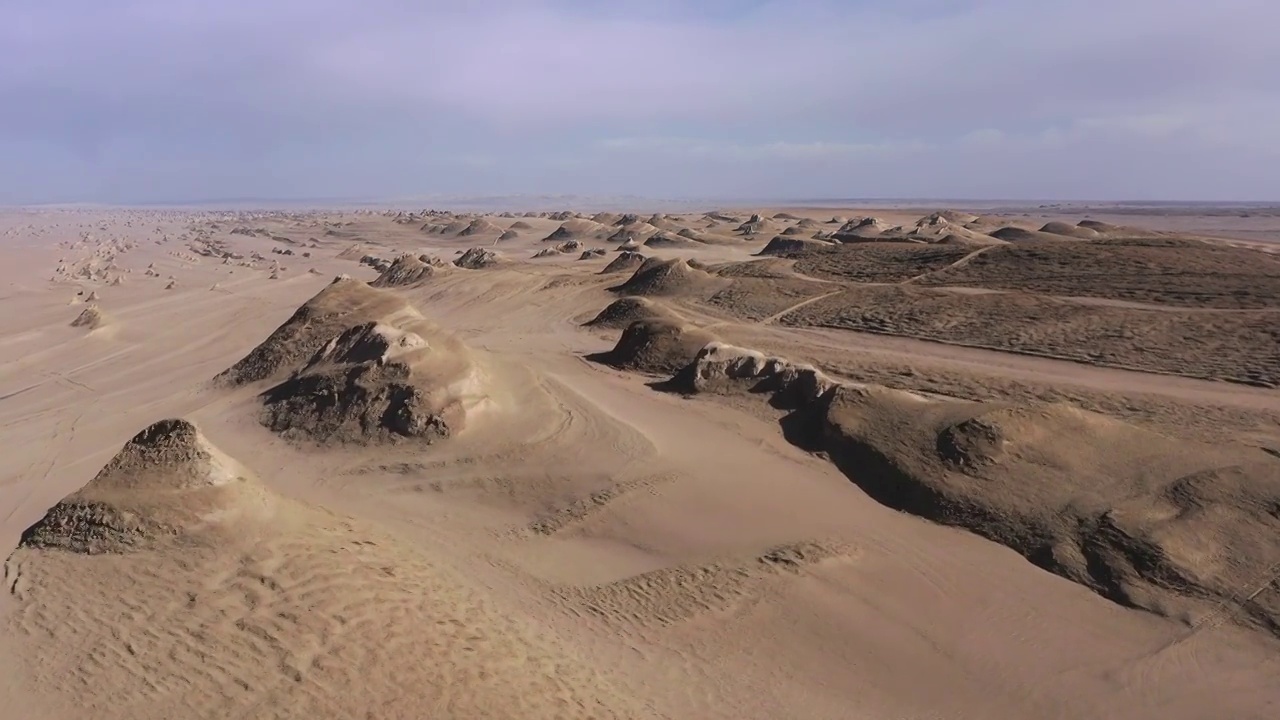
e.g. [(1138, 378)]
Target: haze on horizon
[(139, 101)]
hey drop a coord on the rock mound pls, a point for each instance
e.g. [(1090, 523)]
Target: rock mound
[(1181, 529), (791, 246), (457, 227), (666, 239), (91, 317), (632, 232), (719, 367), (343, 303), (573, 229), (860, 229), (354, 252), (592, 254), (476, 258), (404, 270), (167, 484), (376, 382), (656, 346), (623, 312), (666, 277), (626, 261), (480, 226)]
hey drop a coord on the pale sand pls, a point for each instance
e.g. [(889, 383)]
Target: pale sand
[(584, 547)]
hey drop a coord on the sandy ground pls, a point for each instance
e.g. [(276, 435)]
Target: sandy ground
[(585, 545)]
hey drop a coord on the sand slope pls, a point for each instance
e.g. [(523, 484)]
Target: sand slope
[(228, 599)]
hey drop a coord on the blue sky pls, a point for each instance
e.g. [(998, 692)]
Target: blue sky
[(178, 100)]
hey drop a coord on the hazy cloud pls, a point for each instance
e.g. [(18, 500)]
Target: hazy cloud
[(136, 100)]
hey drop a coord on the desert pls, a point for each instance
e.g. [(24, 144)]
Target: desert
[(740, 462)]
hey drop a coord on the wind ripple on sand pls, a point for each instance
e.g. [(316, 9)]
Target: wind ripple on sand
[(324, 620)]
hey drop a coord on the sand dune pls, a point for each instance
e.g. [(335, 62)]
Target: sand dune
[(958, 477), (167, 484), (656, 346), (666, 277), (187, 587)]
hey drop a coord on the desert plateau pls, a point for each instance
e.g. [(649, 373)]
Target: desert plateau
[(733, 462)]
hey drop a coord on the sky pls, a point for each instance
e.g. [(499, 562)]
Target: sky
[(150, 101)]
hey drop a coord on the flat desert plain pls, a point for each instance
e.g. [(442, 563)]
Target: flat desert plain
[(748, 463)]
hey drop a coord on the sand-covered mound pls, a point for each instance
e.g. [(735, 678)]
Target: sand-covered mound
[(667, 277), (632, 232), (666, 239), (1068, 230), (960, 228), (375, 382), (91, 317), (757, 225), (663, 222), (354, 252), (622, 312), (1015, 234), (626, 261), (476, 258), (592, 254), (1101, 228), (1178, 528), (656, 346), (509, 235), (405, 270), (167, 483), (720, 367), (457, 227), (574, 229), (861, 229), (345, 302), (520, 225), (792, 246), (174, 569), (480, 226)]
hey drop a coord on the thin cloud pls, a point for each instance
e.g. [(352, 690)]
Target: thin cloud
[(333, 97)]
